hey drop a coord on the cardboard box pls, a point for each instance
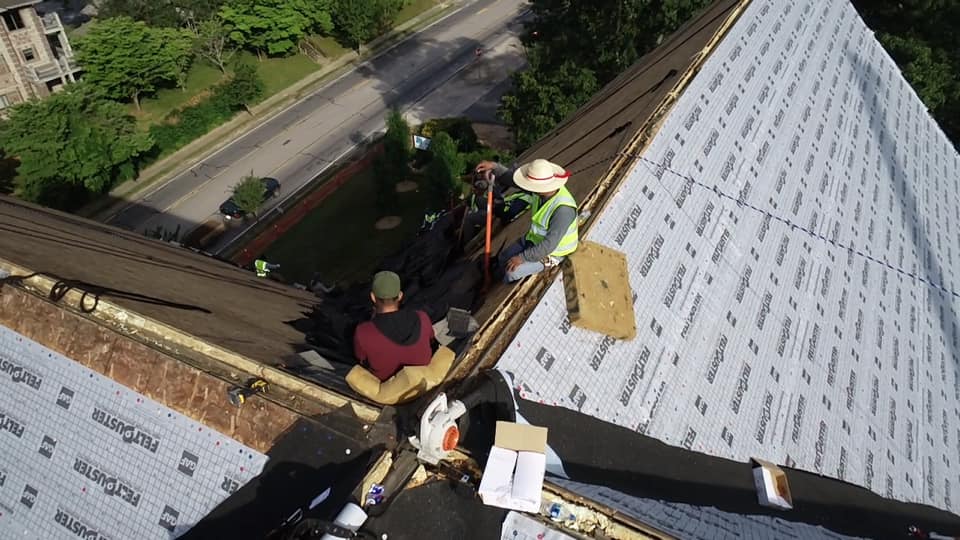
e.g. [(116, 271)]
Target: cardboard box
[(772, 487), (597, 287), (513, 477)]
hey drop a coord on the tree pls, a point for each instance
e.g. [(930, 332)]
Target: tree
[(70, 144), (920, 36), (244, 88), (358, 22), (444, 170), (927, 69), (394, 162), (177, 47), (126, 59), (274, 26), (213, 44), (540, 100), (598, 37), (607, 36), (156, 13), (574, 48), (192, 12), (248, 194), (397, 144), (160, 13)]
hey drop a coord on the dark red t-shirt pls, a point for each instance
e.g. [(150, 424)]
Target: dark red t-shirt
[(384, 355)]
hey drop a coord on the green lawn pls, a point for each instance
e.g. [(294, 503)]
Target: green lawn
[(339, 240), (277, 74), (329, 47), (414, 8), (200, 77)]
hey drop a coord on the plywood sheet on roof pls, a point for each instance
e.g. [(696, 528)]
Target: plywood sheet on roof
[(792, 237)]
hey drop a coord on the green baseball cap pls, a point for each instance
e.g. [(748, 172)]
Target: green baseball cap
[(386, 285)]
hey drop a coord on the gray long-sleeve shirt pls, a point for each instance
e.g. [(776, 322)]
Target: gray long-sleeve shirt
[(560, 221)]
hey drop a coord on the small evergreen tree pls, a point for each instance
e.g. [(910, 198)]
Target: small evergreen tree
[(443, 172), (248, 194), (394, 163), (397, 145)]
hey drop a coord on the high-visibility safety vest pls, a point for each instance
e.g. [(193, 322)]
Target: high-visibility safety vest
[(260, 266), (528, 198), (478, 203), (474, 203), (540, 222)]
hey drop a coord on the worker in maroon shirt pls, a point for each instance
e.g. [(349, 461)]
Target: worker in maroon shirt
[(395, 337)]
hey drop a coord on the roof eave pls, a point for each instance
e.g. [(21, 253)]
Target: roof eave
[(162, 336)]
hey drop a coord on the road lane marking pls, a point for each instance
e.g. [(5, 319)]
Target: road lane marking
[(359, 85)]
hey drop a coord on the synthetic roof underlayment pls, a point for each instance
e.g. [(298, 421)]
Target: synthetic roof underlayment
[(790, 232), (82, 455), (694, 522)]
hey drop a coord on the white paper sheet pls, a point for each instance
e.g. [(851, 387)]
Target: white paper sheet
[(496, 485), (528, 479), (520, 527), (512, 480)]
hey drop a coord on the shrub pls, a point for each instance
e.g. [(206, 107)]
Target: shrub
[(187, 124), (248, 194), (460, 129), (485, 153), (443, 172)]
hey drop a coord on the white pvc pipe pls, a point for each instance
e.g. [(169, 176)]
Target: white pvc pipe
[(350, 517)]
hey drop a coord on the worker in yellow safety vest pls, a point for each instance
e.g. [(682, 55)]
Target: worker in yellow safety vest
[(506, 208), (262, 267), (554, 225)]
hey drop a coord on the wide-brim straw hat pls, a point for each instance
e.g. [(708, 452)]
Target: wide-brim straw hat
[(540, 176)]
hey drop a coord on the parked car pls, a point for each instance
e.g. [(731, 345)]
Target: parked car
[(230, 210)]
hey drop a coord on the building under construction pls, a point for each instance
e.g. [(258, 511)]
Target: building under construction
[(784, 205)]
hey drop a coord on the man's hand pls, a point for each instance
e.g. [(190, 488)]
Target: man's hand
[(485, 166), (514, 262)]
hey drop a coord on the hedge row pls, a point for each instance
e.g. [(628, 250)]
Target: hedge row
[(185, 125)]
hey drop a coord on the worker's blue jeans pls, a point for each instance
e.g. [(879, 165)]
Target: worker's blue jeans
[(525, 269)]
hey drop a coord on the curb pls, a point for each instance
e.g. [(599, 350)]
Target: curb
[(157, 174)]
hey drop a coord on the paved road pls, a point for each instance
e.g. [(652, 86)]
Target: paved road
[(308, 137)]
